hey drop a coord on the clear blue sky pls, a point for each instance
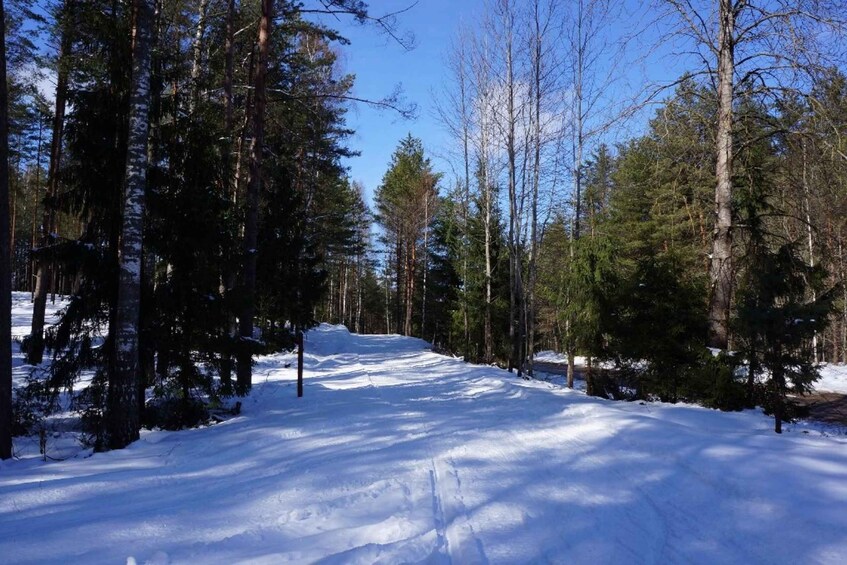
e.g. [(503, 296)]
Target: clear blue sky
[(379, 63)]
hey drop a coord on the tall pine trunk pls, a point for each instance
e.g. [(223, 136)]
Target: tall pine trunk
[(44, 274), (720, 272), (5, 259), (123, 415), (254, 187)]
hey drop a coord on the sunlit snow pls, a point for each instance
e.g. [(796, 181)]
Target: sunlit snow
[(400, 455)]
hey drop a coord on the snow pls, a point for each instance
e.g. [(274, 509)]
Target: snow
[(833, 379), (549, 356), (400, 455), (22, 325)]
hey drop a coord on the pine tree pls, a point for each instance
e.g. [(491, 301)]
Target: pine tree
[(405, 203)]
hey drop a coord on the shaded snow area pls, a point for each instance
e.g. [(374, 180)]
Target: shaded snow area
[(22, 324), (399, 455), (548, 356), (833, 379)]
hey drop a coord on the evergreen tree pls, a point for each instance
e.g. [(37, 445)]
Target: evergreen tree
[(406, 207), (776, 320)]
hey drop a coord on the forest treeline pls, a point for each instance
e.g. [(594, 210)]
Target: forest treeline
[(721, 225), (185, 189)]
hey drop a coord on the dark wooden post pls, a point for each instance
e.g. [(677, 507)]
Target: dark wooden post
[(299, 364)]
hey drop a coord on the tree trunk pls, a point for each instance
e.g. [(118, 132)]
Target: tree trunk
[(809, 239), (35, 198), (536, 182), (579, 148), (425, 262), (721, 263), (398, 260), (13, 271), (465, 213), (488, 338), (5, 259), (229, 274), (515, 303), (147, 351), (43, 276), (197, 51), (843, 279), (123, 418), (411, 265), (229, 66), (254, 187)]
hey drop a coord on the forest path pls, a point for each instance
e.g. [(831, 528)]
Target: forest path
[(826, 407), (399, 455)]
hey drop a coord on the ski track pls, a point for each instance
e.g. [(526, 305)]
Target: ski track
[(399, 455)]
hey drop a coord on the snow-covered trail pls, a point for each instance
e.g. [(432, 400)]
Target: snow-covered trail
[(399, 455)]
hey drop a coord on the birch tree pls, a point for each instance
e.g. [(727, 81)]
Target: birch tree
[(123, 414), (763, 48)]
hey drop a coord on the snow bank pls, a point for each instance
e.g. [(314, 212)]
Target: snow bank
[(833, 379), (400, 455)]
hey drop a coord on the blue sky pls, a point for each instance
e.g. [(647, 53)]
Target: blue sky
[(379, 64)]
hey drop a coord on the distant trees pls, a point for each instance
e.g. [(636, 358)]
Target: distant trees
[(406, 204), (233, 225), (758, 49), (224, 230)]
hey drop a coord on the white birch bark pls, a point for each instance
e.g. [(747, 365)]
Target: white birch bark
[(123, 414)]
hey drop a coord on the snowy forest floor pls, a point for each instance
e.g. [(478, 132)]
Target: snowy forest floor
[(398, 455)]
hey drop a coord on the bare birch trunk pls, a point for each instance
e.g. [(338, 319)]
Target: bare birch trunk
[(197, 55), (809, 240), (721, 262), (229, 66), (579, 147), (536, 181), (488, 338), (425, 263), (515, 307), (465, 212), (123, 418)]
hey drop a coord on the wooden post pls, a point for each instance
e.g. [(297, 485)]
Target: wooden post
[(299, 364)]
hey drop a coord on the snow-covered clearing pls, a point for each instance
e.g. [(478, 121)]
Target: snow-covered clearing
[(833, 379), (397, 455)]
